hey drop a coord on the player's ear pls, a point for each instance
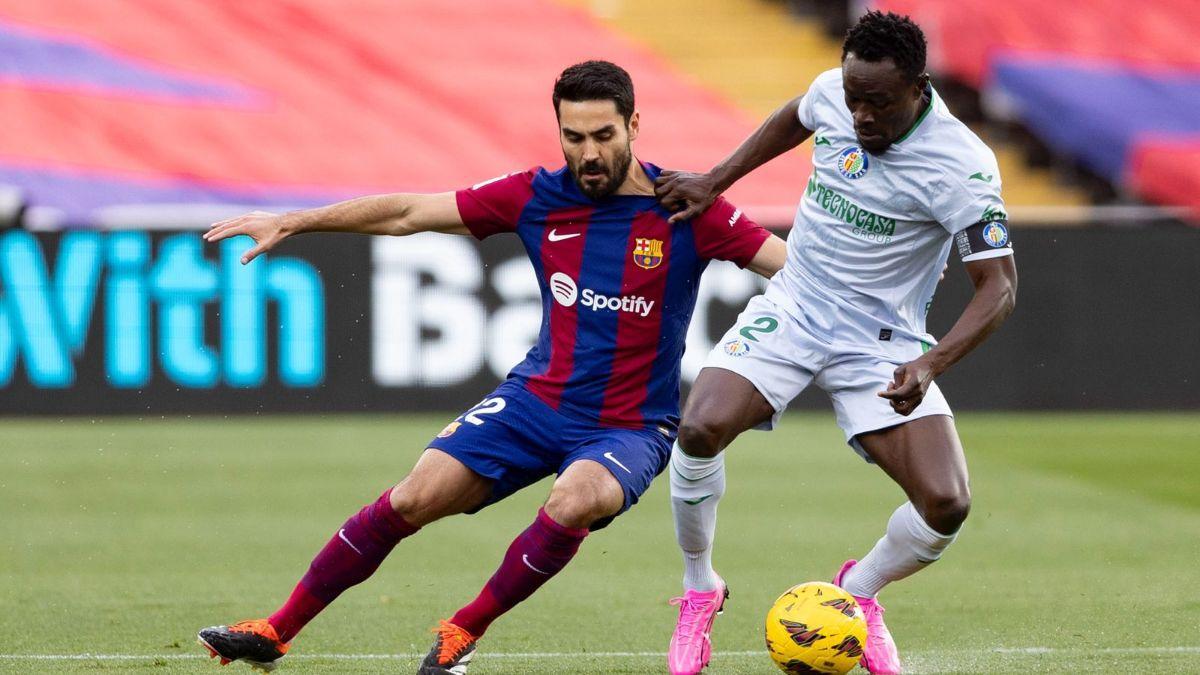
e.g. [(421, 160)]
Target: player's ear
[(633, 126)]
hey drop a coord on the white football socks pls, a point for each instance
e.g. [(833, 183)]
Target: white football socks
[(908, 546), (697, 484)]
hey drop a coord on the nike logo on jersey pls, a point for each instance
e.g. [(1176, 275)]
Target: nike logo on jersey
[(525, 559), (342, 536), (821, 140), (555, 236), (614, 460), (978, 175)]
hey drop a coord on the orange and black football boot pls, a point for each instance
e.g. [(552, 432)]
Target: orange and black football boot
[(452, 651), (254, 642)]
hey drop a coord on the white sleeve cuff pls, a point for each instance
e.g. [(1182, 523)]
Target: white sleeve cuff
[(984, 255)]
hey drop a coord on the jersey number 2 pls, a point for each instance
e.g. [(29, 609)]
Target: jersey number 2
[(763, 324), (488, 406)]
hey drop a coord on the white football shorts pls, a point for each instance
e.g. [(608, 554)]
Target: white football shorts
[(780, 357)]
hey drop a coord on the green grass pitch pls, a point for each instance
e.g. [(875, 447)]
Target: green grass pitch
[(119, 538)]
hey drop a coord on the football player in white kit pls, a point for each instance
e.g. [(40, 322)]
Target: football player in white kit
[(897, 183)]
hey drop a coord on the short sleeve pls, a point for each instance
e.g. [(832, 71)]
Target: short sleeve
[(805, 112), (974, 197), (723, 232), (495, 205)]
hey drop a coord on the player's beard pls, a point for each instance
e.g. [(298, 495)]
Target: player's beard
[(615, 174)]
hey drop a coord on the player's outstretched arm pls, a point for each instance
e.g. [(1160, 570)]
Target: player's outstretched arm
[(394, 214), (691, 193), (995, 281), (770, 257)]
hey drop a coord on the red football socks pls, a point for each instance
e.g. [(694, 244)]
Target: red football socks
[(351, 556), (537, 554)]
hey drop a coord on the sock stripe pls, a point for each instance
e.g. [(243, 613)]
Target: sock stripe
[(694, 480), (718, 461)]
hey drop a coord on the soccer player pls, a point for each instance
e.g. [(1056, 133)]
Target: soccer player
[(595, 401), (897, 182)]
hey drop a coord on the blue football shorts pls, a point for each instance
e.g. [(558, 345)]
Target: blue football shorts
[(513, 438)]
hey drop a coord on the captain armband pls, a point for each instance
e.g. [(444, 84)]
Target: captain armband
[(984, 240)]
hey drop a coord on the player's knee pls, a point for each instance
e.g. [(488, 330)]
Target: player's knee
[(580, 503), (703, 435), (946, 510), (415, 505)]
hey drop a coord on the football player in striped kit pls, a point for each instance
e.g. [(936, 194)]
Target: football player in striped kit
[(596, 401)]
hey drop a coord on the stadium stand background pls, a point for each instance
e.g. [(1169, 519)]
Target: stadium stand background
[(124, 137), (1101, 92), (711, 41), (303, 101)]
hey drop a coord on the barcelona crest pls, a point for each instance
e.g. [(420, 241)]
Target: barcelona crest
[(647, 253)]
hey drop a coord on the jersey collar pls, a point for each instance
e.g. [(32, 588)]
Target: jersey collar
[(920, 118)]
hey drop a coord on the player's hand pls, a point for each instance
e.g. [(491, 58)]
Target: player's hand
[(908, 386), (688, 194), (266, 229)]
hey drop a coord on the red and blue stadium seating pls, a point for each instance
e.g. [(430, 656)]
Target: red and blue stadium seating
[(1113, 84), (295, 102)]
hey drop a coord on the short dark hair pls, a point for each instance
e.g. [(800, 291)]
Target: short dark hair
[(596, 81), (877, 36)]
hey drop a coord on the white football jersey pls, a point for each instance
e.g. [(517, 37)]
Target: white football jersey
[(872, 232)]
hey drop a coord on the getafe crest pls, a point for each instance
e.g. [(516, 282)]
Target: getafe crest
[(736, 347), (853, 163), (647, 253), (995, 235)]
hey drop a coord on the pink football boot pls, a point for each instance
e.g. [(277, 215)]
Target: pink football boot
[(691, 645), (879, 654)]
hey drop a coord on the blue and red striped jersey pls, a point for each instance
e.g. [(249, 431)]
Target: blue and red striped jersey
[(618, 286)]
